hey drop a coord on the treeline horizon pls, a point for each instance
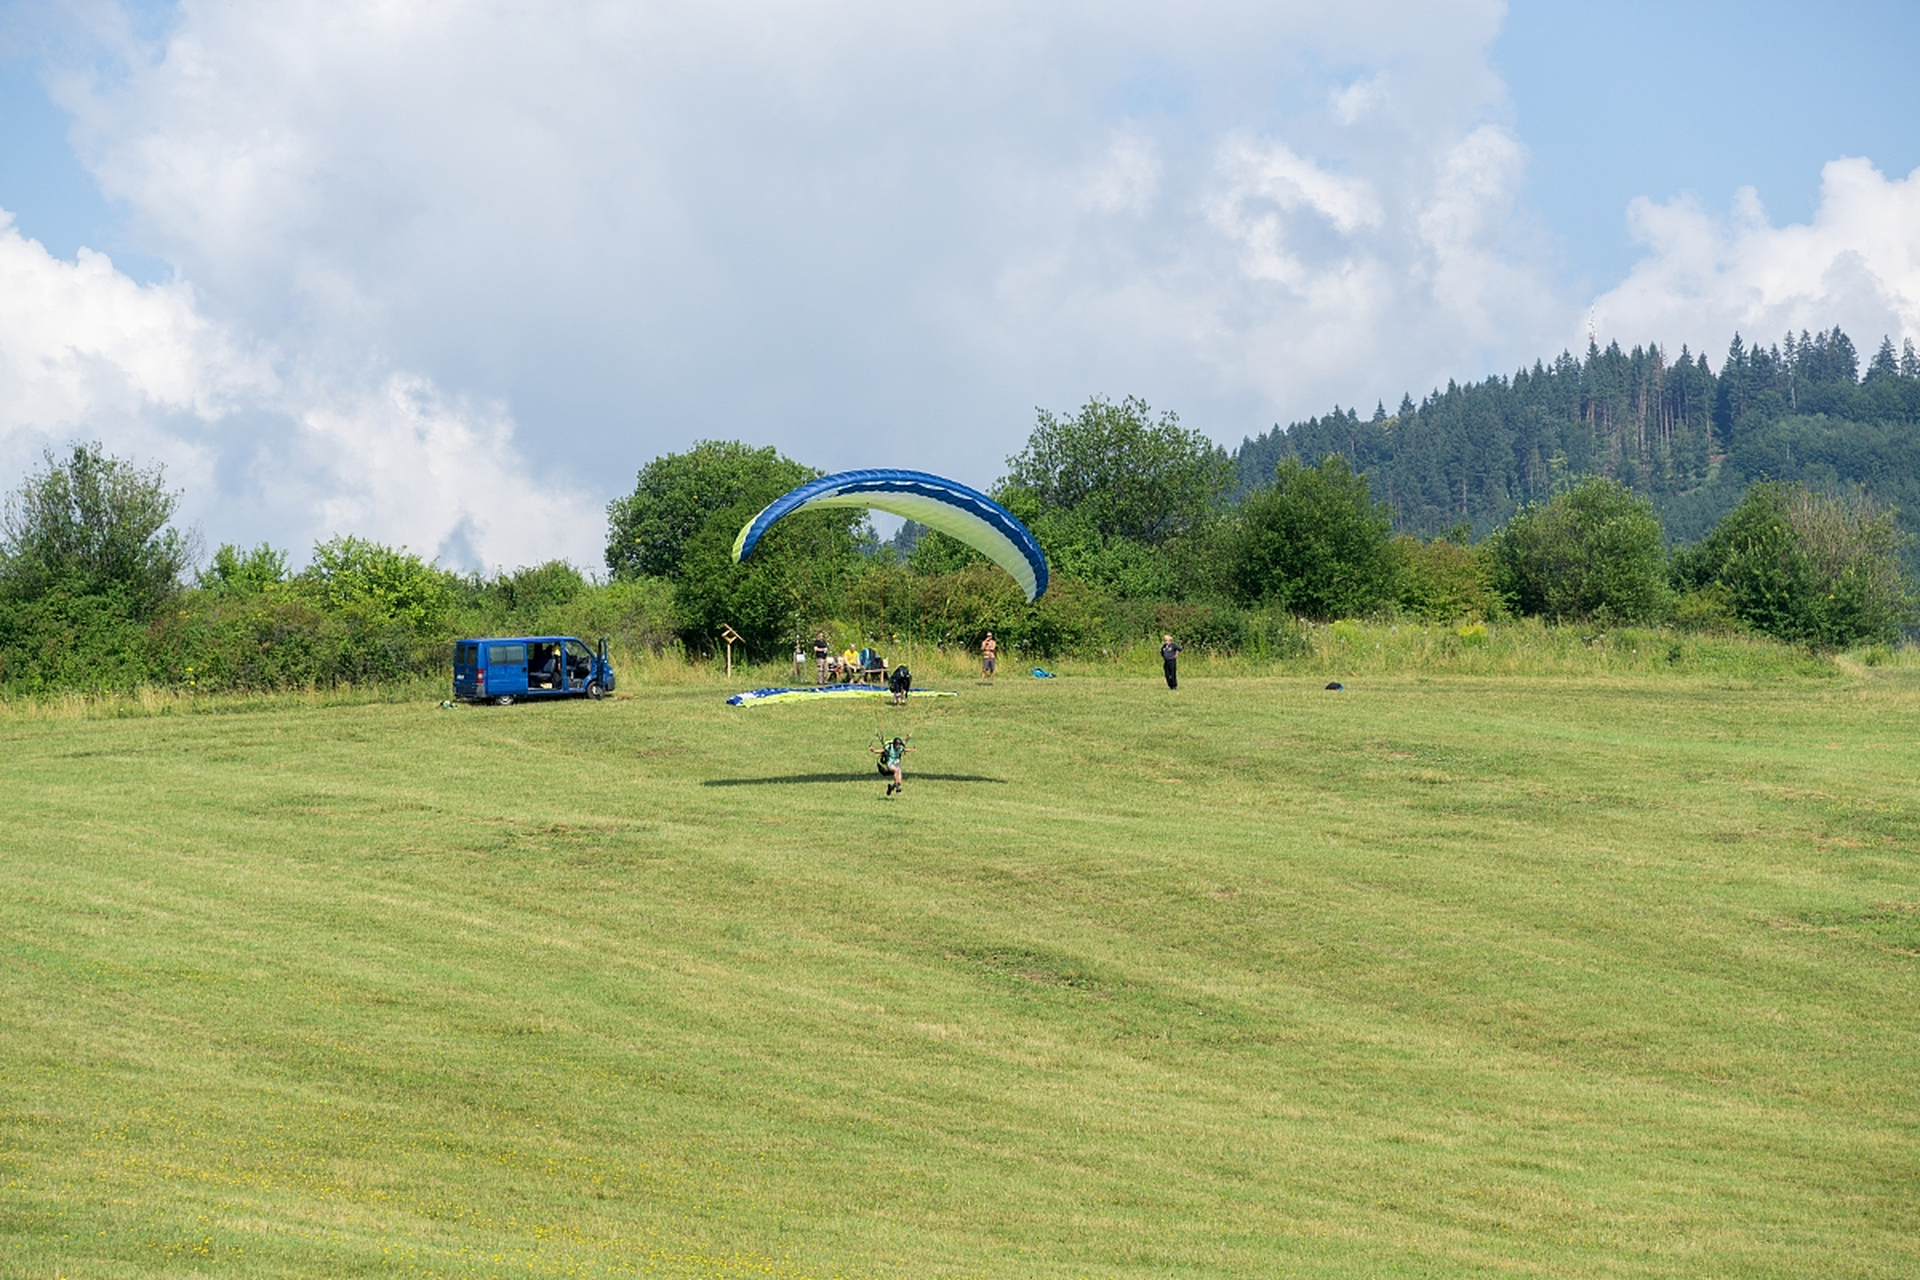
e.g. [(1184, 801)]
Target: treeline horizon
[(1691, 439), (1616, 490)]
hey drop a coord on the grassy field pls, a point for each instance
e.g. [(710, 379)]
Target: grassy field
[(1601, 975)]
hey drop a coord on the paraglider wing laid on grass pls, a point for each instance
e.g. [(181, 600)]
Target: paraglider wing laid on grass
[(810, 693), (946, 505)]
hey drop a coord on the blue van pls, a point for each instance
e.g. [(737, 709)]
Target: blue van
[(500, 669)]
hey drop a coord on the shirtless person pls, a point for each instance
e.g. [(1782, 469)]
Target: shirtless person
[(989, 649)]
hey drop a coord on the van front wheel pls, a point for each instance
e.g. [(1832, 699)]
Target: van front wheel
[(504, 700), (595, 690)]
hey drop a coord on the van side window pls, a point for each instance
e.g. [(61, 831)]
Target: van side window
[(506, 655)]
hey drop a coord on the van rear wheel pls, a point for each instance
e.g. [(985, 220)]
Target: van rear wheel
[(596, 690), (504, 700)]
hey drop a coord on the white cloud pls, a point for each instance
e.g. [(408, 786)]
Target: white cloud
[(1467, 226), (414, 467), (1354, 101), (1265, 183), (859, 231), (1126, 179), (1856, 263), (1290, 285), (86, 353)]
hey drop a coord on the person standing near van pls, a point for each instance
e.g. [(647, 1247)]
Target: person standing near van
[(1170, 659), (989, 650), (820, 655), (799, 662)]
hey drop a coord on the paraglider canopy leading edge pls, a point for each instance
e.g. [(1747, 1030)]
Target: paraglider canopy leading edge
[(944, 505)]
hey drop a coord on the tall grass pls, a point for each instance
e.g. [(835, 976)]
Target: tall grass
[(157, 700), (1336, 650), (1523, 647)]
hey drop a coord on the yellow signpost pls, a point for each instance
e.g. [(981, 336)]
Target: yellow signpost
[(732, 638)]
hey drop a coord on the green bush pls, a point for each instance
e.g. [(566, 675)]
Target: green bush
[(1119, 566), (1593, 552), (636, 615), (1707, 609), (1315, 544), (959, 608), (1214, 626), (1441, 580), (776, 594), (234, 572), (1070, 618), (87, 561), (937, 553), (380, 584), (286, 639), (1805, 567), (530, 593), (67, 639)]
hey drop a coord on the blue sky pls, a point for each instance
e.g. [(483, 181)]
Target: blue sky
[(447, 275), (1633, 98)]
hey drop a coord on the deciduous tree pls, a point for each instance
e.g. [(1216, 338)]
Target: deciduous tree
[(678, 493), (1806, 566), (1594, 551), (1126, 474), (1315, 543), (91, 525)]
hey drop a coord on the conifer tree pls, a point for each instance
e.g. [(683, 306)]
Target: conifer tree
[(1885, 363)]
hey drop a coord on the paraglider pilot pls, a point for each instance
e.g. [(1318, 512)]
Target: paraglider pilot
[(900, 683), (889, 763)]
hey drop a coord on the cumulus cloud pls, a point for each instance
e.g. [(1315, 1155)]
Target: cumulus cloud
[(1855, 263), (554, 241), (85, 350), (415, 466), (277, 447), (1126, 179), (1262, 184), (1290, 283), (1352, 102)]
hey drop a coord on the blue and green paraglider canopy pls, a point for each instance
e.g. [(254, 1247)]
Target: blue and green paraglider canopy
[(945, 505)]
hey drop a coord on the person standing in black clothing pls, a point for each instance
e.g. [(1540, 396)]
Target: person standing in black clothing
[(1170, 658), (820, 652)]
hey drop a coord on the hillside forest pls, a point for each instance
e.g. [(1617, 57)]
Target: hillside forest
[(1778, 495)]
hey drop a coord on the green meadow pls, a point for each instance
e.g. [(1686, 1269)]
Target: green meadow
[(1594, 974)]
